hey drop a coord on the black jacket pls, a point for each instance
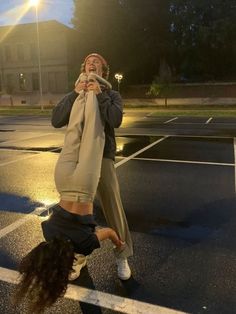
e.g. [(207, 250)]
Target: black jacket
[(80, 230), (111, 109)]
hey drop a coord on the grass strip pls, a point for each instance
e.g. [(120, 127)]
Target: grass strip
[(185, 110), (22, 111)]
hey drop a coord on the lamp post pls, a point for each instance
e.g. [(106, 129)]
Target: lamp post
[(119, 77), (35, 3)]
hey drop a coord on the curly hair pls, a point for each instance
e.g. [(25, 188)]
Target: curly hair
[(44, 274)]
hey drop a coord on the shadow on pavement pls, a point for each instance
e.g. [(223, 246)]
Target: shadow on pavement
[(201, 224), (19, 204)]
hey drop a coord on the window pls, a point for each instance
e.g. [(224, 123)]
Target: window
[(7, 52), (35, 81), (52, 82), (20, 52), (33, 51), (57, 82), (10, 83), (22, 81)]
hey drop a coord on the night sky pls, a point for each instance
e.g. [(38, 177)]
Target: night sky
[(15, 11)]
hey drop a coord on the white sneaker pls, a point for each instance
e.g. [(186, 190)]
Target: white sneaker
[(123, 269), (79, 262)]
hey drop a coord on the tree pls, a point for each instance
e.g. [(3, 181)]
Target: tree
[(194, 38), (132, 34), (101, 29), (204, 33), (149, 24)]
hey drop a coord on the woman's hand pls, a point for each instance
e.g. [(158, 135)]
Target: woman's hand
[(108, 233), (115, 239), (94, 86), (81, 86), (120, 244)]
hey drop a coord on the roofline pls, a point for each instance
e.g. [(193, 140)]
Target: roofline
[(33, 23)]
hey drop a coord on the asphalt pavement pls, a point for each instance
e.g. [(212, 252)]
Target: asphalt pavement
[(177, 180)]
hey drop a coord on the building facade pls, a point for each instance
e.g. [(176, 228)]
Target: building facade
[(19, 67)]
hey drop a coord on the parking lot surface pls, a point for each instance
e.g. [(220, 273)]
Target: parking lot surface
[(177, 180)]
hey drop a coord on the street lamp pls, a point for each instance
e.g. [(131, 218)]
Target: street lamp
[(119, 77), (35, 3)]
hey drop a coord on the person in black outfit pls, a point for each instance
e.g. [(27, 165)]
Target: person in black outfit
[(70, 229)]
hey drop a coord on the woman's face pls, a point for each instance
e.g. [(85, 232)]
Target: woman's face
[(93, 64)]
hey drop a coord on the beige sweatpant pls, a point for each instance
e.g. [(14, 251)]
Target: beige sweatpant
[(108, 194), (80, 165), (78, 168)]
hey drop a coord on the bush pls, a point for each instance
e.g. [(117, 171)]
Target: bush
[(160, 88)]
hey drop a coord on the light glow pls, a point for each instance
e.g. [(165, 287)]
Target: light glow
[(16, 13), (119, 148), (118, 76), (33, 3)]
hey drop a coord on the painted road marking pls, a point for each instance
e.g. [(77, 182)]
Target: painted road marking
[(118, 164), (24, 139), (235, 162), (123, 305), (21, 221), (27, 157), (28, 150), (170, 120), (208, 120), (98, 298), (187, 161), (200, 123), (169, 135), (40, 210)]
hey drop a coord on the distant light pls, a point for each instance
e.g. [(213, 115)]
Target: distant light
[(33, 3), (119, 77)]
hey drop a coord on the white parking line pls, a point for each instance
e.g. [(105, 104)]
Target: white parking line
[(98, 298), (208, 120), (28, 150), (235, 163), (170, 120), (24, 139), (170, 135), (35, 154), (187, 161), (38, 211), (21, 221), (201, 123), (118, 164)]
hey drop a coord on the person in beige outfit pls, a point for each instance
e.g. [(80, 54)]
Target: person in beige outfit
[(70, 232), (108, 192)]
